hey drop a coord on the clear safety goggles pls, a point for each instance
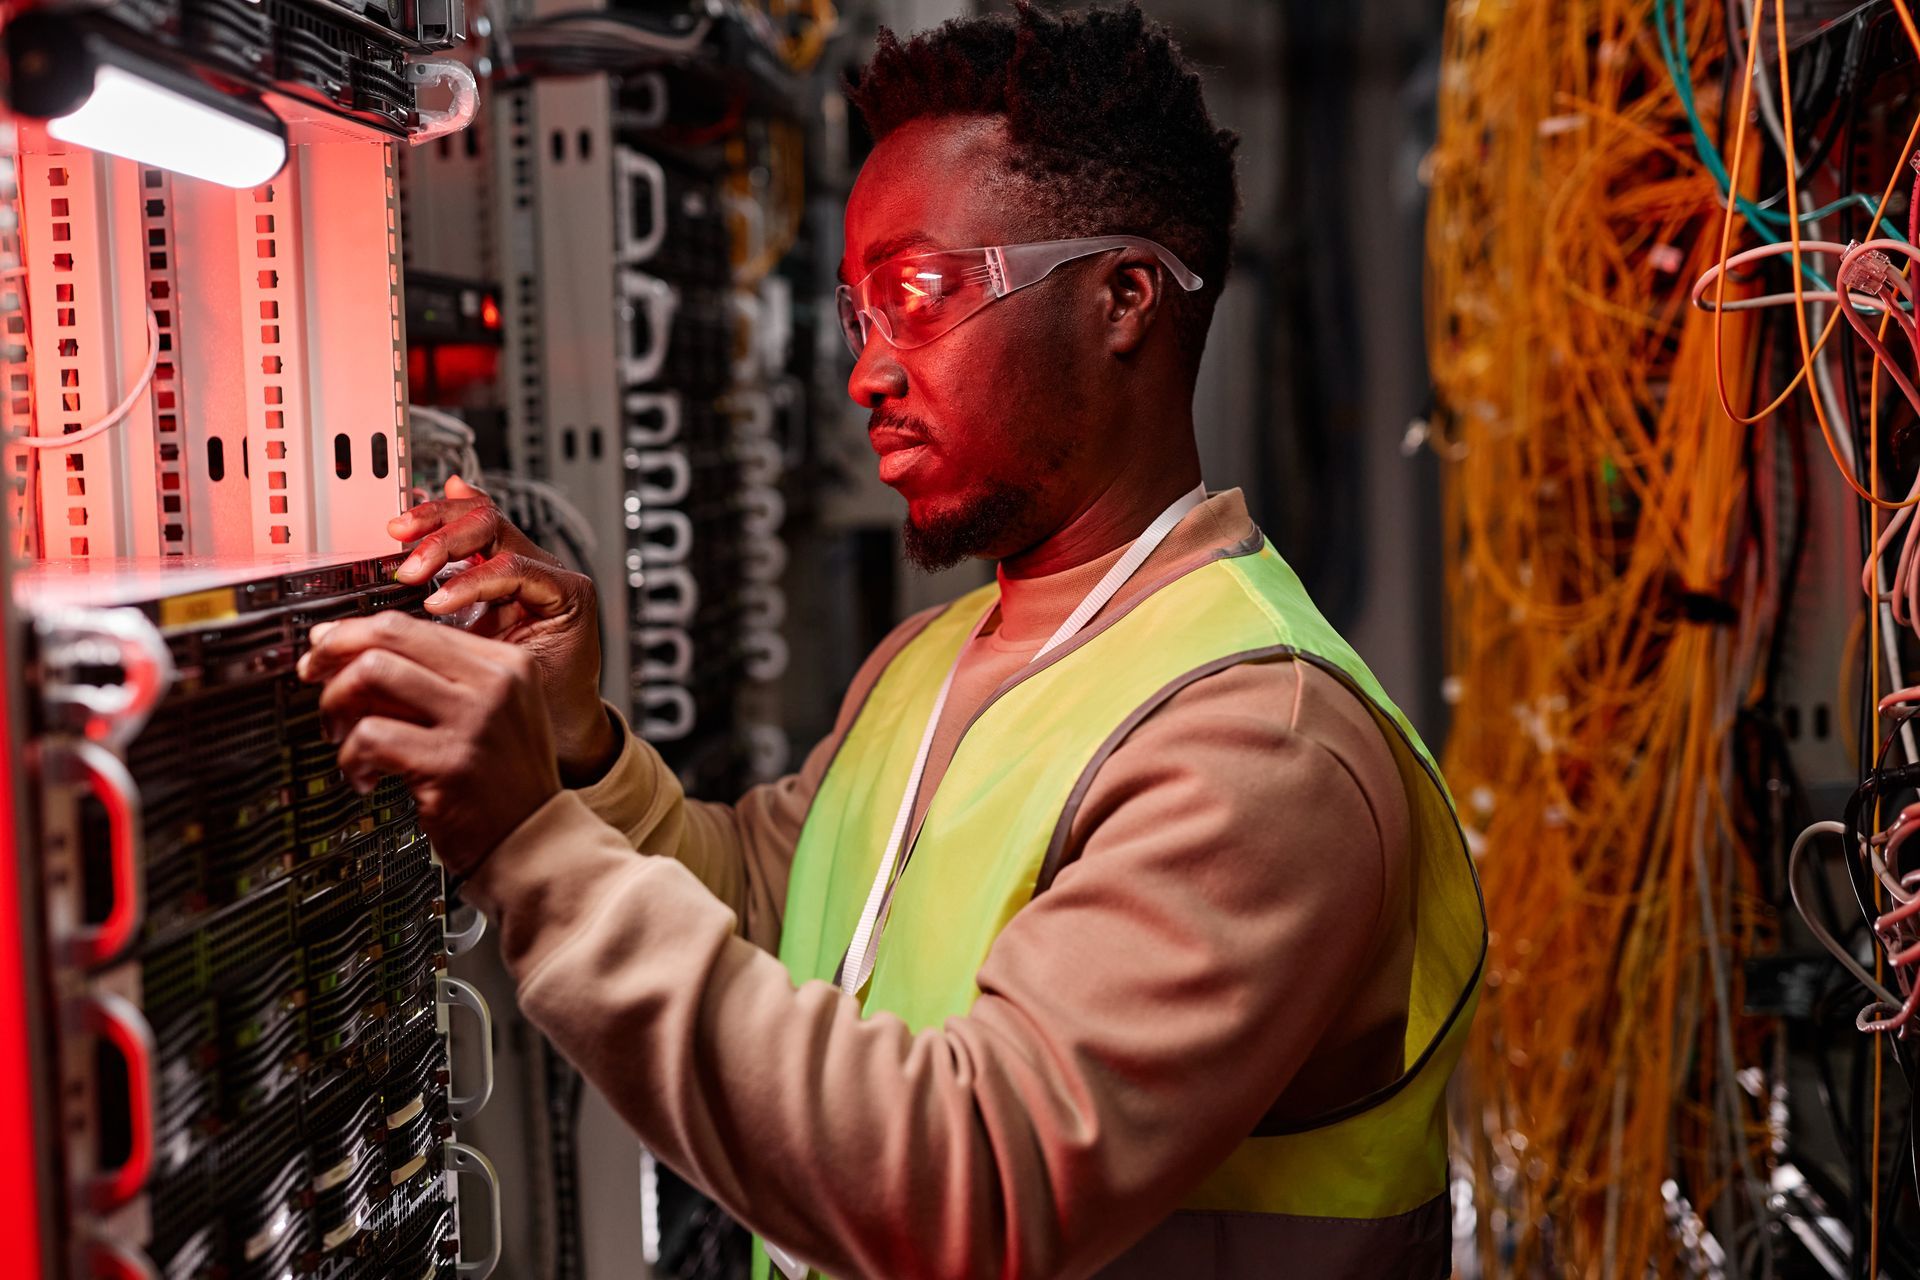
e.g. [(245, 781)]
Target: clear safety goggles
[(917, 297)]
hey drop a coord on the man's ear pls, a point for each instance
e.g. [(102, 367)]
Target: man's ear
[(1134, 295)]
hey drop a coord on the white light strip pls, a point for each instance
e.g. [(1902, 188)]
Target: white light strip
[(137, 119)]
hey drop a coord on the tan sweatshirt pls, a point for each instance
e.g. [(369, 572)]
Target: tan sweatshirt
[(1232, 935)]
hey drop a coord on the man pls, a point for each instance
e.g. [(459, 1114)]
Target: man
[(1132, 929)]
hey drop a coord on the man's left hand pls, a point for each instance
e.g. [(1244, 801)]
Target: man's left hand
[(460, 717)]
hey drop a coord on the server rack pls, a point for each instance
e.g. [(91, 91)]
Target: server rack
[(224, 1011), (256, 1080)]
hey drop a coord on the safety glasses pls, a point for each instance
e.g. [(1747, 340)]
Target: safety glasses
[(915, 298)]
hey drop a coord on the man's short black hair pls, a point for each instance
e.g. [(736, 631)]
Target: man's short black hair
[(1106, 119)]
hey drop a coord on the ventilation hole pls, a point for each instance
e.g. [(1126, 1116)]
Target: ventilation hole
[(263, 223), (151, 177), (63, 293), (569, 444), (170, 504), (277, 505), (559, 146), (156, 237), (56, 177), (276, 450), (586, 144), (155, 208), (472, 142), (157, 261), (343, 456), (175, 533), (59, 207), (269, 279), (1790, 720), (246, 459), (280, 534), (269, 310), (379, 450), (596, 443), (1822, 722)]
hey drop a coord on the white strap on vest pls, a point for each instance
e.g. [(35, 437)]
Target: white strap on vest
[(857, 967), (861, 952)]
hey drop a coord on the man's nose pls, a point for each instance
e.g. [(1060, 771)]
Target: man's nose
[(877, 375)]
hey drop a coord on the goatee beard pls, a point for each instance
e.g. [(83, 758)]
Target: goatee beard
[(971, 531)]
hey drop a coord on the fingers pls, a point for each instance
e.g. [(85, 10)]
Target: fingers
[(537, 587), (467, 527), (378, 746), (451, 652), (423, 518), (382, 683), (458, 488)]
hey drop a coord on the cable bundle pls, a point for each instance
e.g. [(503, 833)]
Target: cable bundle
[(1613, 585)]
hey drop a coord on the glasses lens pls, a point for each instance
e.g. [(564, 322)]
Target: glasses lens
[(851, 327), (925, 295)]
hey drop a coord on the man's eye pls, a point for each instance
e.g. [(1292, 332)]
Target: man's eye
[(922, 291)]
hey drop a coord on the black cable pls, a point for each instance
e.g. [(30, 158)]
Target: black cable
[(1840, 106)]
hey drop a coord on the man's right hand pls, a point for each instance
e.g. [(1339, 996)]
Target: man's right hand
[(533, 602)]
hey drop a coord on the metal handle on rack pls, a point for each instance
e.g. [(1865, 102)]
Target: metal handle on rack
[(660, 301), (676, 546), (678, 469), (462, 1158), (672, 699), (458, 78), (453, 991), (669, 595), (116, 1018), (114, 714), (464, 937), (112, 1260), (639, 405), (111, 783), (630, 168)]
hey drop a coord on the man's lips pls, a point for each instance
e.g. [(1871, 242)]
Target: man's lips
[(886, 440), (899, 451)]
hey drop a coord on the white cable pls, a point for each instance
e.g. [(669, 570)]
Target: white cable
[(114, 414), (1814, 923), (560, 507)]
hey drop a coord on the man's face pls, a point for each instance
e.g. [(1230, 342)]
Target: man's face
[(983, 430)]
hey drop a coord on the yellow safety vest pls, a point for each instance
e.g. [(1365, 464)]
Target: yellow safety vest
[(1342, 1196)]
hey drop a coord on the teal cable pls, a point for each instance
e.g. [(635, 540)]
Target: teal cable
[(1766, 223)]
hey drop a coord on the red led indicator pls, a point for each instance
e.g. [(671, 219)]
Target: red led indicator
[(490, 313)]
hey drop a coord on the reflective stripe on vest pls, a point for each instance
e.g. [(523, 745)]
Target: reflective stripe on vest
[(993, 835)]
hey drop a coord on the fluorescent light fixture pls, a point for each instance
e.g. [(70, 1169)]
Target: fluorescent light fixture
[(139, 119), (76, 72)]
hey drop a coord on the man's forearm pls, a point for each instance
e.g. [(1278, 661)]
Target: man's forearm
[(741, 852)]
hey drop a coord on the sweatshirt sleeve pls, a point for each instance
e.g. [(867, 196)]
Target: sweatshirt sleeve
[(741, 852), (1134, 1021)]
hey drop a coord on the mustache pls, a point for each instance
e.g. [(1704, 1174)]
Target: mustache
[(894, 420)]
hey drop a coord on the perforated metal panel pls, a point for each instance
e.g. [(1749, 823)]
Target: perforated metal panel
[(16, 363), (276, 452), (87, 266), (169, 392)]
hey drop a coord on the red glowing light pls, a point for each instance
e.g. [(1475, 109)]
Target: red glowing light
[(490, 313)]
